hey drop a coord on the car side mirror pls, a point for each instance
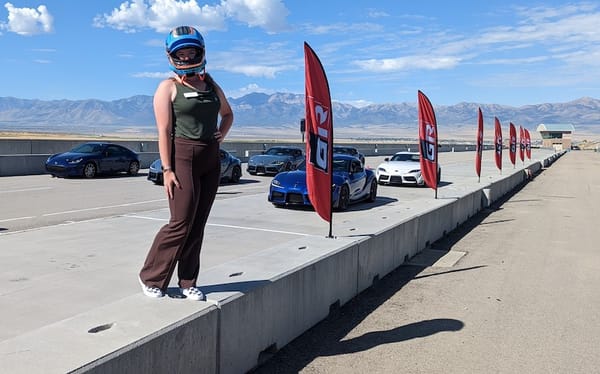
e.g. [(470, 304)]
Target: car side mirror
[(386, 159)]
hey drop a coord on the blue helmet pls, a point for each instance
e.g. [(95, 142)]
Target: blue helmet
[(185, 37)]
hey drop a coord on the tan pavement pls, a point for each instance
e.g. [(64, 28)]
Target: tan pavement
[(517, 290)]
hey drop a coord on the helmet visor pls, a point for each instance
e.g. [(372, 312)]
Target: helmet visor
[(187, 57)]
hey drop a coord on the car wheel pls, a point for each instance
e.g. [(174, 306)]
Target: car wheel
[(236, 174), (89, 170), (344, 198), (134, 167), (372, 192)]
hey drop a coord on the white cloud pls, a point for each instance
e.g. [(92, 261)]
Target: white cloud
[(566, 35), (250, 88), (163, 15), (155, 75), (28, 21), (267, 14), (408, 63), (256, 70)]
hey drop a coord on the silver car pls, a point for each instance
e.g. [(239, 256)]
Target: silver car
[(275, 160)]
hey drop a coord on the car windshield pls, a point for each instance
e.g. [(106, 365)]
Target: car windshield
[(344, 150), (302, 166), (340, 165), (87, 148), (279, 152), (406, 157)]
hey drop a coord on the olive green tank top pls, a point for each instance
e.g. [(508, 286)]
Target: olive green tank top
[(195, 113)]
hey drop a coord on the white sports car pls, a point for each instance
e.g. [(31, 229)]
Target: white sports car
[(402, 168)]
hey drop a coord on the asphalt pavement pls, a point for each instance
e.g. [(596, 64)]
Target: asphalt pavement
[(514, 290)]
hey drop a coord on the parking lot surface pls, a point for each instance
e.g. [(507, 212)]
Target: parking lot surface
[(519, 294)]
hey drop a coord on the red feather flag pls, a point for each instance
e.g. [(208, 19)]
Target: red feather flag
[(479, 146), (428, 142), (513, 144), (498, 143), (521, 144), (528, 144), (319, 139)]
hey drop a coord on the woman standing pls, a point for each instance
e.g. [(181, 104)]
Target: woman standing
[(187, 109)]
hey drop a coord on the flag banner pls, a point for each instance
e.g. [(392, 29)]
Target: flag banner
[(479, 147), (513, 143), (527, 144), (319, 139), (498, 143), (521, 144), (428, 141)]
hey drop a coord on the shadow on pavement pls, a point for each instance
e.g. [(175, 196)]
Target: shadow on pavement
[(326, 337)]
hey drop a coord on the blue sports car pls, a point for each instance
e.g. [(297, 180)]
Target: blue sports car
[(351, 183), (90, 159)]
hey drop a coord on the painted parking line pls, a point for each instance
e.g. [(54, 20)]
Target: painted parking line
[(27, 189), (227, 226), (15, 219), (101, 207)]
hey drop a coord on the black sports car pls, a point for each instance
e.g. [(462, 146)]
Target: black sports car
[(91, 159), (347, 150)]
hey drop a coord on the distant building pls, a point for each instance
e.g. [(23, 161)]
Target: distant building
[(556, 135)]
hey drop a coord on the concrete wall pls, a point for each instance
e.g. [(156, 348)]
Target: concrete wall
[(267, 299), (28, 157)]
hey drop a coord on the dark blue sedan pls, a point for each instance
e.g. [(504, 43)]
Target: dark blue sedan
[(91, 159), (351, 183)]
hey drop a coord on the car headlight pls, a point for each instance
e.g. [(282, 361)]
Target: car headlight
[(276, 183), (277, 163), (382, 170), (75, 161)]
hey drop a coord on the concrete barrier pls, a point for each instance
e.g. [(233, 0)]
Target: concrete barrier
[(259, 303), (27, 157)]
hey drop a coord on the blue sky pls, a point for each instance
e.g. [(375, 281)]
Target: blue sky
[(502, 52)]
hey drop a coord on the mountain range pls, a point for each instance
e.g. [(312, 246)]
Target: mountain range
[(282, 110)]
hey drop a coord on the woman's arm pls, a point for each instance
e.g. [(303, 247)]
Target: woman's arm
[(225, 112), (163, 98)]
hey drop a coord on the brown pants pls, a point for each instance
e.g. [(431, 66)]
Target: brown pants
[(197, 167)]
